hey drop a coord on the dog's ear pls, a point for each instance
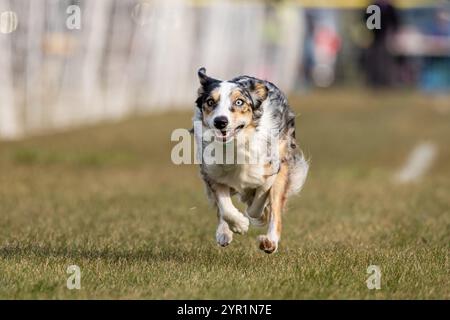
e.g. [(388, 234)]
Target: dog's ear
[(203, 78), (258, 92), (256, 88)]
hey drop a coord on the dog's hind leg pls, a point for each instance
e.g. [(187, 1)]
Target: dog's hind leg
[(277, 197), (255, 211)]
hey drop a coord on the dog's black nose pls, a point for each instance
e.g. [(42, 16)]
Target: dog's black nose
[(220, 122)]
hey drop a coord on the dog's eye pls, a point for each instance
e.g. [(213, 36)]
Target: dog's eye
[(239, 102), (210, 102)]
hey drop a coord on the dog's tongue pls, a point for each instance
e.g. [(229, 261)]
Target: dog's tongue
[(223, 135)]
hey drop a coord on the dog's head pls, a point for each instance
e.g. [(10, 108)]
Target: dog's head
[(228, 107)]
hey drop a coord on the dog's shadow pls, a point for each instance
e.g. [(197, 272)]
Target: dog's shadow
[(18, 251)]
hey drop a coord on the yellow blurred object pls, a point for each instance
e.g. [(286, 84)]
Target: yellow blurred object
[(342, 4), (361, 36), (361, 3), (61, 44)]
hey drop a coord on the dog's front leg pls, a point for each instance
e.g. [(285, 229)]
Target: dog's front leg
[(228, 213), (224, 235)]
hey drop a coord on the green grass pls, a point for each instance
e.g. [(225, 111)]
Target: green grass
[(108, 199)]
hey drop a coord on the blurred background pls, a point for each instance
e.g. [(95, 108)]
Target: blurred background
[(63, 66), (91, 91)]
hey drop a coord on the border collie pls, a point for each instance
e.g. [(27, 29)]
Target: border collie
[(248, 116)]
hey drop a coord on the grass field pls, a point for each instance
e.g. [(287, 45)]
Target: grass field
[(108, 199)]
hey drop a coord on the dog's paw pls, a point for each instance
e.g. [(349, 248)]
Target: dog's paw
[(224, 238), (239, 224), (267, 245)]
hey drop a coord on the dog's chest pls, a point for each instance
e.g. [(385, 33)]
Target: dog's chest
[(238, 176), (248, 173)]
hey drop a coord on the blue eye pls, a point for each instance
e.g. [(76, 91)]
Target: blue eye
[(210, 102), (239, 102)]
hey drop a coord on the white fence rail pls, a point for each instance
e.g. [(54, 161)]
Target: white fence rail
[(132, 56)]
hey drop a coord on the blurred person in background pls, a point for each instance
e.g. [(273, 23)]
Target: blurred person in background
[(321, 47), (308, 49), (379, 63)]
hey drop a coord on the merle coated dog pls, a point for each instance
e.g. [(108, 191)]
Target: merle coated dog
[(248, 116)]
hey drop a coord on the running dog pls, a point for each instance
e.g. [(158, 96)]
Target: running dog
[(252, 116)]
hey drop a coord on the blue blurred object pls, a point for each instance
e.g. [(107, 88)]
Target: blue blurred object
[(435, 75)]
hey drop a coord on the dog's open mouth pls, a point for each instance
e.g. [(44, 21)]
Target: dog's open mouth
[(227, 135)]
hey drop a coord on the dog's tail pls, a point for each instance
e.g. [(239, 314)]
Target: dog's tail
[(297, 173)]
